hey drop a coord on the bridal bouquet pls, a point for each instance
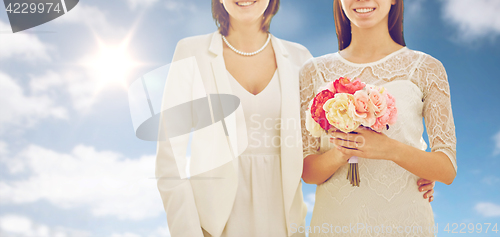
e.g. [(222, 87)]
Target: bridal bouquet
[(345, 105)]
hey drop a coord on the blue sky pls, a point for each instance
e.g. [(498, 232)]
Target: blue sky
[(70, 164)]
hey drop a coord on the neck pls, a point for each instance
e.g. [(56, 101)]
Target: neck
[(246, 37), (366, 43)]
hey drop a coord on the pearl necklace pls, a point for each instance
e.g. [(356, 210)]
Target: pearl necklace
[(247, 54)]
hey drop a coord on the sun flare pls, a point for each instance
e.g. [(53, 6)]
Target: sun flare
[(111, 65)]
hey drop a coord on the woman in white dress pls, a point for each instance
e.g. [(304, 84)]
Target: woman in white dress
[(258, 193), (372, 48)]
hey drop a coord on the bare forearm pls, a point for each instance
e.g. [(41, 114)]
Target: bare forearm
[(428, 165), (318, 168)]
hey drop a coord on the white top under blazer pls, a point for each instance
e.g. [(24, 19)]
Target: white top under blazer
[(258, 208)]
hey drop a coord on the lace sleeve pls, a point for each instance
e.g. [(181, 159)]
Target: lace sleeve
[(308, 77), (437, 108)]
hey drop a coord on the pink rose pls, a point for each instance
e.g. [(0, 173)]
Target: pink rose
[(345, 85), (384, 119), (328, 86), (363, 112), (378, 126), (379, 102), (388, 118), (390, 115), (391, 101), (392, 111)]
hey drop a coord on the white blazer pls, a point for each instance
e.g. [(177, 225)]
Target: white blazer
[(205, 200)]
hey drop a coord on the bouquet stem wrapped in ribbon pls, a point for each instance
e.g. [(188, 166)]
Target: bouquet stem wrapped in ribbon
[(345, 105)]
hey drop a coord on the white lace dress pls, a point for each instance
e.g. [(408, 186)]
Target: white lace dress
[(258, 208), (388, 202)]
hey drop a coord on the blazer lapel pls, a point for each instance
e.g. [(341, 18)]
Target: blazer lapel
[(234, 123), (291, 140)]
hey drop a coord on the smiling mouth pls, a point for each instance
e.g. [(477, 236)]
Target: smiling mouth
[(245, 4), (364, 10)]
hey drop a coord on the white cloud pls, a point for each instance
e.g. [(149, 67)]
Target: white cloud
[(159, 232), (473, 19), (78, 85), (23, 110), (46, 96), (310, 199), (488, 209), (81, 86), (4, 151), (171, 5), (126, 234), (46, 82), (12, 225), (105, 182), (496, 139), (93, 18), (491, 180), (176, 5), (21, 45), (15, 224), (413, 8), (134, 4)]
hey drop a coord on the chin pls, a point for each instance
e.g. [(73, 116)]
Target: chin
[(249, 19), (367, 24)]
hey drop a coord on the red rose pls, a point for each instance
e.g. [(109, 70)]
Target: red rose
[(344, 85), (317, 112)]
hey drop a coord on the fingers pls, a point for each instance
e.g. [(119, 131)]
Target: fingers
[(426, 187), (344, 136), (360, 129), (350, 152), (428, 194), (333, 129), (344, 143), (422, 181), (337, 134)]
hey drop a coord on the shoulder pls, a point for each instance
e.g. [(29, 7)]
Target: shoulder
[(193, 46), (194, 41), (430, 71), (316, 63), (313, 68), (426, 60)]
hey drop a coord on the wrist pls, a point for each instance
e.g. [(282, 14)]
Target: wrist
[(395, 153), (337, 157)]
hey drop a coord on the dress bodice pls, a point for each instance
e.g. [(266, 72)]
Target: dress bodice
[(388, 194)]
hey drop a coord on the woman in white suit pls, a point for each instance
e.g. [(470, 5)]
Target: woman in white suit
[(254, 188), (259, 193)]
